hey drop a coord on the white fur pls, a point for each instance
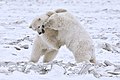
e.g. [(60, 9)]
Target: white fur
[(62, 29), (45, 44), (73, 35)]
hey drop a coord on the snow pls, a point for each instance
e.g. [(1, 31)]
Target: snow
[(101, 18)]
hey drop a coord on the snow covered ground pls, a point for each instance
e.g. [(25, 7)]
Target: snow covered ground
[(101, 18)]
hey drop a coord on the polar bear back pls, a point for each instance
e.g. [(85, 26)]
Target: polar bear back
[(67, 24)]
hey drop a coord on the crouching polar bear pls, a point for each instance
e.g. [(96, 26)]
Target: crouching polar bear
[(61, 28)]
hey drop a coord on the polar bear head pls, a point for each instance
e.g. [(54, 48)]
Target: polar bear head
[(37, 23), (53, 21)]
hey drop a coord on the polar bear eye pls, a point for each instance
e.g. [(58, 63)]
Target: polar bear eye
[(38, 26)]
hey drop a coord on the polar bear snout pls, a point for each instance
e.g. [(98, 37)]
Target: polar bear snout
[(41, 32)]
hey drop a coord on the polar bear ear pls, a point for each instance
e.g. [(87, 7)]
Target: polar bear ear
[(60, 10), (50, 13)]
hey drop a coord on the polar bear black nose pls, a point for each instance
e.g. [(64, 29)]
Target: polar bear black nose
[(43, 31), (39, 33)]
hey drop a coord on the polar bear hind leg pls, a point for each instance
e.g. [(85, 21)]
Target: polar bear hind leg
[(83, 51)]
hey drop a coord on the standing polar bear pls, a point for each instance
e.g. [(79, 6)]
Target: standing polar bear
[(61, 28)]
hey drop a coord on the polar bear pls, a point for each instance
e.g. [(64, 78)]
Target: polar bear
[(66, 30), (44, 44), (73, 35)]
